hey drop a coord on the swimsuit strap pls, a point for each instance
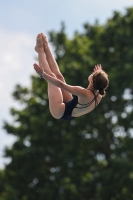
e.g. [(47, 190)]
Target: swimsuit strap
[(95, 97), (88, 104)]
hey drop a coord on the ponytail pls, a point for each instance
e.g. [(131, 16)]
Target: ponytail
[(102, 92)]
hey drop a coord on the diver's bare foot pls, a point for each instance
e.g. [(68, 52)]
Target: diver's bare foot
[(45, 41), (39, 44)]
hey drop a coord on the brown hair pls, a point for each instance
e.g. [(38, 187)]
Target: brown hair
[(100, 81)]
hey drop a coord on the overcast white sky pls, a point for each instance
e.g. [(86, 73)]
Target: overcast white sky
[(20, 22)]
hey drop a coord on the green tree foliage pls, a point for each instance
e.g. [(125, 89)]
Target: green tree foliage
[(86, 158), (2, 184)]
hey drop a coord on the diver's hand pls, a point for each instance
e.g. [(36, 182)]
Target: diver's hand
[(39, 70), (97, 67)]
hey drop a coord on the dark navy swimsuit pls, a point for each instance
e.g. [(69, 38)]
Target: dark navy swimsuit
[(71, 104)]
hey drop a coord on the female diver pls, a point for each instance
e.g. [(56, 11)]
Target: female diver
[(65, 101)]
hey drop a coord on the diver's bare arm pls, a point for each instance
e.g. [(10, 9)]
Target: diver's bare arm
[(76, 90)]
